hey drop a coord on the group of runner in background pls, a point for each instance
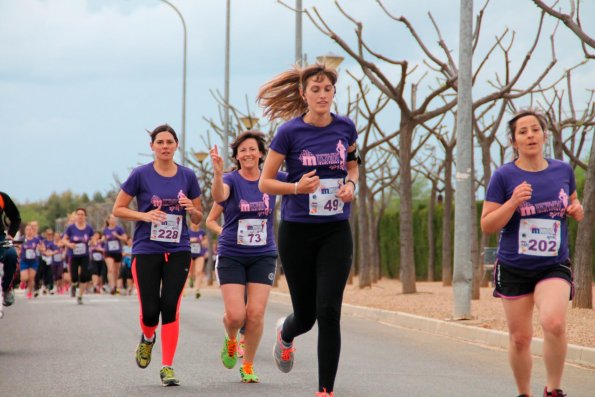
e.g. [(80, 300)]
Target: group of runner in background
[(103, 259)]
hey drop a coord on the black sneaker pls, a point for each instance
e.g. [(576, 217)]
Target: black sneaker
[(8, 299)]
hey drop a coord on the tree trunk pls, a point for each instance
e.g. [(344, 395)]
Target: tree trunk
[(447, 220), (431, 233), (364, 270), (486, 159), (407, 273), (583, 257)]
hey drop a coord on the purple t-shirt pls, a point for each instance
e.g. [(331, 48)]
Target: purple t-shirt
[(248, 213), (30, 249), (113, 244), (196, 238), (536, 236), (153, 191), (324, 149), (81, 238)]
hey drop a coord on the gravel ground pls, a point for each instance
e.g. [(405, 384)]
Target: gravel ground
[(435, 301)]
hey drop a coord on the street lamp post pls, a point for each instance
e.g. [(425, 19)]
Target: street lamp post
[(183, 135), (249, 121), (330, 60)]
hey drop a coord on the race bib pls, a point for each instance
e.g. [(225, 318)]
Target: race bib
[(539, 237), (97, 256), (30, 254), (252, 232), (57, 258), (113, 245), (47, 260), (169, 231), (323, 202), (195, 248), (79, 249)]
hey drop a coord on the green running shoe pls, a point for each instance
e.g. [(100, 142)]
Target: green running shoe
[(143, 351), (168, 378), (247, 374), (228, 353)]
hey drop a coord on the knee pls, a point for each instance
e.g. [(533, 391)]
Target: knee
[(520, 341), (328, 314), (554, 326), (235, 318), (255, 316)]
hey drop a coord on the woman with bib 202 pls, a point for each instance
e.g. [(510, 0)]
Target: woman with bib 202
[(315, 242), (528, 200), (247, 249), (165, 193)]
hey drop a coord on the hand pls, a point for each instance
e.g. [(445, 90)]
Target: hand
[(186, 203), (217, 160), (346, 192), (308, 183), (155, 216), (576, 210), (521, 193)]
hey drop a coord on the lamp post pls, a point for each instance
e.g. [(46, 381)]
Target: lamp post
[(226, 93), (249, 121), (330, 60), (183, 135)]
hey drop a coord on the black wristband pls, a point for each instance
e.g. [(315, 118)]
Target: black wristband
[(349, 180)]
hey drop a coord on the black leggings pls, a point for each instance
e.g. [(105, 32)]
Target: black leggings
[(80, 263), (316, 258), (160, 279)]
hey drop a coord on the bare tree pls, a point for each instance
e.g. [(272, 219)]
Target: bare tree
[(572, 21)]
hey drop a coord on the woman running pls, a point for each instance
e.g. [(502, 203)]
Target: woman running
[(114, 235), (315, 242), (247, 250), (29, 259), (165, 193), (76, 238), (528, 201), (97, 251), (197, 241)]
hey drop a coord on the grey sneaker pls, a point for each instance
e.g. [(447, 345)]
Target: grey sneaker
[(282, 352), (168, 378), (8, 298)]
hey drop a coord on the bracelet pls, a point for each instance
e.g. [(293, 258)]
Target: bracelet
[(295, 185), (352, 182)]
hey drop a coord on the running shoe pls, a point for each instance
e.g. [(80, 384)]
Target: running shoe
[(283, 351), (323, 393), (168, 378), (29, 295), (143, 352), (229, 353), (72, 290), (247, 373), (8, 299), (553, 393), (197, 295), (241, 347), (79, 300), (36, 293)]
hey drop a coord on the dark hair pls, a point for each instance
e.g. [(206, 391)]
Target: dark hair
[(256, 135), (163, 128), (522, 113), (280, 97), (80, 209)]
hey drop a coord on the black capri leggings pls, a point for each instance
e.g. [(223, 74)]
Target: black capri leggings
[(80, 263), (160, 279), (316, 258)]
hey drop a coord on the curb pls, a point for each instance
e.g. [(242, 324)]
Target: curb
[(580, 355)]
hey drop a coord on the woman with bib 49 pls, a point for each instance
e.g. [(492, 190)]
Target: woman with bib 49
[(165, 194), (528, 201), (315, 242)]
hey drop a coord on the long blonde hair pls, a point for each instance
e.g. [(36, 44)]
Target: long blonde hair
[(281, 97)]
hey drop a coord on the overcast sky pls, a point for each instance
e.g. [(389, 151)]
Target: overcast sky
[(81, 80)]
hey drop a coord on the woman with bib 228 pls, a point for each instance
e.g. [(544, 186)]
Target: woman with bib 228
[(315, 242), (528, 200), (165, 193), (247, 250)]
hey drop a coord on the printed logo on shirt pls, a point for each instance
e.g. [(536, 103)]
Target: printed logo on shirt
[(335, 160), (555, 208), (171, 204), (261, 207)]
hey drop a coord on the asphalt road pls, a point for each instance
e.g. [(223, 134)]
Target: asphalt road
[(52, 347)]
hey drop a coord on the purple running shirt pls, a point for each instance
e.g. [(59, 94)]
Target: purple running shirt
[(156, 191), (536, 236), (324, 149), (81, 238)]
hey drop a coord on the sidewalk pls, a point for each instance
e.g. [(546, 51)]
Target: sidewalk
[(428, 311)]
